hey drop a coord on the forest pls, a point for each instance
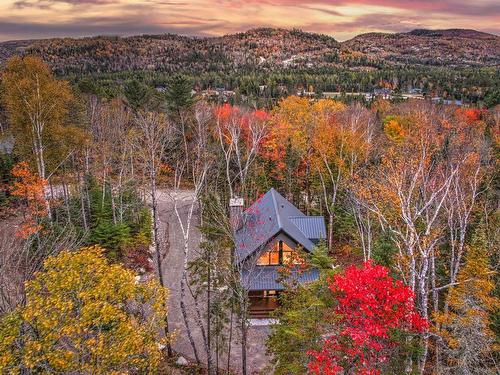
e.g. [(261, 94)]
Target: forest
[(477, 86), (263, 65), (101, 190)]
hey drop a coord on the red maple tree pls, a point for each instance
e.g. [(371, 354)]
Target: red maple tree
[(371, 306)]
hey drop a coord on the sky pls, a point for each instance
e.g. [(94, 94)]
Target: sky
[(342, 19)]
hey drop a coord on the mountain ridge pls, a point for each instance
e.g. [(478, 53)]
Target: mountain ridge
[(261, 49)]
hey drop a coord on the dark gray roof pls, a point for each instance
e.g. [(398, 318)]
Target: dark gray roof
[(267, 217), (313, 227), (264, 278)]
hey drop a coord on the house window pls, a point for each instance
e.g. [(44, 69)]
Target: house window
[(280, 254), (287, 255), (270, 258)]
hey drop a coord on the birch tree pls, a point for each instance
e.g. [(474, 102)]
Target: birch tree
[(240, 134), (341, 144), (37, 105), (421, 170), (197, 162), (150, 137), (112, 158)]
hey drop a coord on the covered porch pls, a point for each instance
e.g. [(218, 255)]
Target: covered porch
[(264, 289), (262, 303)]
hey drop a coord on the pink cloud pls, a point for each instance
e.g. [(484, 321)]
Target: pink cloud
[(217, 17), (451, 6)]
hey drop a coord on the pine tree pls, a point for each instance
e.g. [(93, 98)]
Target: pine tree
[(178, 94), (137, 94)]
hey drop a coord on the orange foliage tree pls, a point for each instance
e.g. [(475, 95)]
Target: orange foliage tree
[(240, 134), (295, 122), (341, 143), (29, 188), (464, 327)]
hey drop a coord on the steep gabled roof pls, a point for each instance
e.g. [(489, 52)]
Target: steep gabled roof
[(267, 217)]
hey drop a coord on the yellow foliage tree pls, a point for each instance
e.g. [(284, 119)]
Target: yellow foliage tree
[(37, 105), (465, 327), (299, 118), (84, 315), (296, 123), (394, 130), (340, 144)]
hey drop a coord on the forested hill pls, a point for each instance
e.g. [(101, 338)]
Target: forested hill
[(453, 47), (260, 49)]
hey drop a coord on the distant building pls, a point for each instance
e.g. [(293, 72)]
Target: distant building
[(412, 96), (415, 91), (308, 93), (452, 102), (219, 93), (337, 94), (385, 93)]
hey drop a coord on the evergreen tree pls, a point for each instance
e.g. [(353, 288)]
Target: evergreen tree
[(178, 94), (301, 318), (137, 94)]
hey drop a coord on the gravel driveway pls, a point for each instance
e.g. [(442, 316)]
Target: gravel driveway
[(256, 353)]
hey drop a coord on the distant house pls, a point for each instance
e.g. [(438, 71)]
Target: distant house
[(453, 102), (267, 234), (385, 93), (412, 96), (414, 90)]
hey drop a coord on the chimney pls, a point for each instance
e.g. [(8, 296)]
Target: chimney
[(236, 213)]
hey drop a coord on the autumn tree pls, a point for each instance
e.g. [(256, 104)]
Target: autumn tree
[(198, 163), (424, 189), (240, 133), (465, 326), (37, 105), (296, 121), (341, 144), (149, 140), (372, 310), (85, 315), (112, 159), (21, 258), (30, 189)]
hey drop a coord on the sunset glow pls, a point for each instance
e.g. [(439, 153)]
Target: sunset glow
[(342, 19)]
